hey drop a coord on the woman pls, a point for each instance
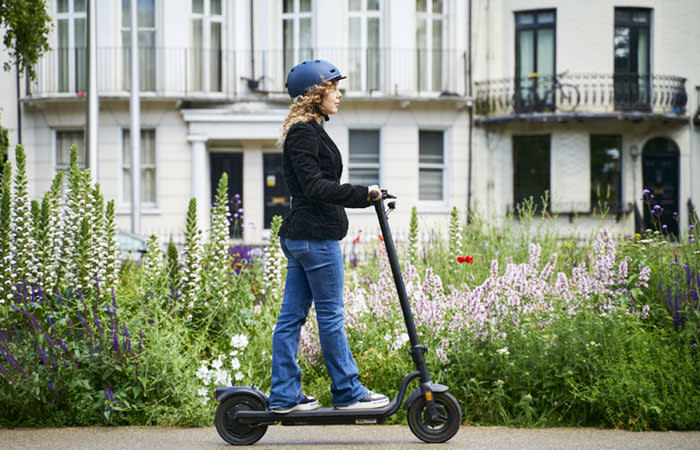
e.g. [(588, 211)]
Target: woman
[(309, 237)]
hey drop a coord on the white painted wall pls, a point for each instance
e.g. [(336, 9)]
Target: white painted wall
[(584, 44)]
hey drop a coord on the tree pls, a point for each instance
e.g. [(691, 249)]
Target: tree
[(26, 25)]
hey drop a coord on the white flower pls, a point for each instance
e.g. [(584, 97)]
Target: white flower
[(239, 376), (235, 364), (202, 372), (222, 378), (218, 363), (503, 351), (239, 341), (203, 392)]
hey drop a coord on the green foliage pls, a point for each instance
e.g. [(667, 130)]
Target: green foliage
[(273, 263), (152, 352), (26, 26), (22, 233), (173, 266), (6, 243), (192, 260), (413, 244)]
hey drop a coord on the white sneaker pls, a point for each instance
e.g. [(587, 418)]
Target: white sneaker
[(369, 401), (308, 403)]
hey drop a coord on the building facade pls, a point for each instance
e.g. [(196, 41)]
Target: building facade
[(592, 103), (465, 103)]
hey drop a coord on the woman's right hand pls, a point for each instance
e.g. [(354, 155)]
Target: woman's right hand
[(370, 189)]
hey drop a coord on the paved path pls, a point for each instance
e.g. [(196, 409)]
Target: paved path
[(371, 437)]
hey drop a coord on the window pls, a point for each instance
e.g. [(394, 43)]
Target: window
[(147, 44), (64, 140), (296, 32), (430, 34), (71, 24), (148, 167), (207, 18), (605, 171), (364, 37), (363, 167), (431, 165), (534, 60), (530, 169), (632, 34)]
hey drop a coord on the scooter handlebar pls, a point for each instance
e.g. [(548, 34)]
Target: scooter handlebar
[(374, 195)]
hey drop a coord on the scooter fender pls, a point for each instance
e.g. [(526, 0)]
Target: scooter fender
[(222, 393), (418, 393)]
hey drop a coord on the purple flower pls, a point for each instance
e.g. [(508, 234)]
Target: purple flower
[(691, 227), (646, 192), (115, 343)]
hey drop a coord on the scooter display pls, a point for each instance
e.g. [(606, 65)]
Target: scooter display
[(433, 414)]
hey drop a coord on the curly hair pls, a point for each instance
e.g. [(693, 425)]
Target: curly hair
[(307, 107)]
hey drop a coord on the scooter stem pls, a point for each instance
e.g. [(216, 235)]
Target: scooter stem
[(417, 350)]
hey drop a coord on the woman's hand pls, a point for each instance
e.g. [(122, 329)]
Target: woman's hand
[(370, 189)]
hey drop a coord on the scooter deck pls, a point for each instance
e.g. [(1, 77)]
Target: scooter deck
[(319, 416)]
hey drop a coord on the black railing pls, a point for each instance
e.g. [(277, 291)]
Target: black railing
[(216, 73), (581, 93)]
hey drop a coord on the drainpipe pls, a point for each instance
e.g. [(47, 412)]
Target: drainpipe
[(691, 135), (19, 108), (252, 41), (470, 105)]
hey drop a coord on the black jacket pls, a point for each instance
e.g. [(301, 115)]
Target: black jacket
[(312, 168)]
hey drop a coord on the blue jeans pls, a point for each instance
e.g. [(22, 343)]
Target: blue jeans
[(315, 272)]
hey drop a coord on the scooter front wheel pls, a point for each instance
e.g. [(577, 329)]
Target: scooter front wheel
[(233, 431), (440, 430)]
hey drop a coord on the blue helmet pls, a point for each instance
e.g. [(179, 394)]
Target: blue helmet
[(310, 73)]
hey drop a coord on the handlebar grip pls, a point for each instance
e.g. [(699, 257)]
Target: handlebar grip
[(374, 195)]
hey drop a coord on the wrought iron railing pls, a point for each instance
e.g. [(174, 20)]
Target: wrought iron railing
[(581, 93), (171, 72)]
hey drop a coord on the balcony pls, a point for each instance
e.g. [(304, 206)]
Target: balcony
[(590, 96), (224, 76)]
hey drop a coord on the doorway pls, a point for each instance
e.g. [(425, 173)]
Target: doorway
[(232, 164), (660, 159), (276, 190)]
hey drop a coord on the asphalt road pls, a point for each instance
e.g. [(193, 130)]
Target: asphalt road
[(344, 437)]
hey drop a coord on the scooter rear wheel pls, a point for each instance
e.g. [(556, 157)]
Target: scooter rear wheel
[(440, 430), (233, 431)]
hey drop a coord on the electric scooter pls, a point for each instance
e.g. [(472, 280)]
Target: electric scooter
[(433, 414)]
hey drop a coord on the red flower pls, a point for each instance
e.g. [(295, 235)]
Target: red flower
[(356, 240), (465, 259), (81, 94), (381, 238)]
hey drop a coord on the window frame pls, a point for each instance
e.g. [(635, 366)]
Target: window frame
[(443, 167), (378, 165), (204, 59), (427, 72), (619, 82), (516, 172), (122, 166), (296, 16), (152, 75), (364, 15), (518, 87), (614, 208), (64, 168), (72, 77)]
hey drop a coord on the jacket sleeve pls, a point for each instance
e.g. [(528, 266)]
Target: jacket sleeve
[(302, 145)]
